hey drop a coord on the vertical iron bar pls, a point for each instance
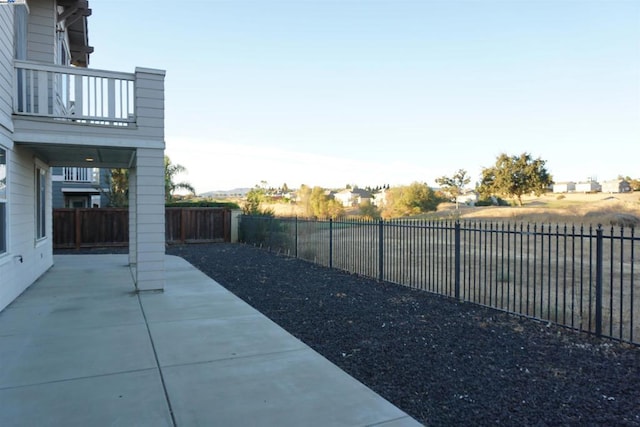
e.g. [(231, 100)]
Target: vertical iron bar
[(456, 256), (381, 250), (621, 280), (330, 243), (535, 269), (599, 281), (611, 245), (631, 308)]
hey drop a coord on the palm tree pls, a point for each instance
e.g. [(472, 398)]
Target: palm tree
[(170, 172)]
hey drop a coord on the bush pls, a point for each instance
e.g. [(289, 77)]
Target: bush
[(202, 204), (492, 201)]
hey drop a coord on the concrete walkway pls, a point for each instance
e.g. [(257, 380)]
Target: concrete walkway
[(81, 348)]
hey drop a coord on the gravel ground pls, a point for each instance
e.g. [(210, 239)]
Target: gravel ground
[(441, 361)]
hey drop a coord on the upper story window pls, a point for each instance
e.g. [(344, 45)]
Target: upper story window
[(20, 26), (41, 204), (79, 174), (3, 201)]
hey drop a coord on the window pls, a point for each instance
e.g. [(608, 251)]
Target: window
[(41, 209), (3, 201)]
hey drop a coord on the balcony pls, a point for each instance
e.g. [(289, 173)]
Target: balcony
[(69, 114), (74, 94), (81, 175)]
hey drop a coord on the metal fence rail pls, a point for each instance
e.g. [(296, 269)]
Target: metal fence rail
[(580, 277)]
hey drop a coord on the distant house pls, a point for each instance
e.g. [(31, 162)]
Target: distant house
[(77, 187), (588, 187), (564, 187), (616, 186), (380, 197), (469, 198), (353, 197)]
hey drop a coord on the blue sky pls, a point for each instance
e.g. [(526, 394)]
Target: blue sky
[(373, 92)]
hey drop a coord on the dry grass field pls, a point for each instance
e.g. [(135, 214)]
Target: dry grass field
[(550, 208)]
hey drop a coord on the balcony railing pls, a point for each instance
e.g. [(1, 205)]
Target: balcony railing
[(75, 94), (72, 174)]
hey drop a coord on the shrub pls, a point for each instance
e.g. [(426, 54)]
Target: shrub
[(202, 204)]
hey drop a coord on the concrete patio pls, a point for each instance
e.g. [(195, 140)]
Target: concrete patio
[(81, 348)]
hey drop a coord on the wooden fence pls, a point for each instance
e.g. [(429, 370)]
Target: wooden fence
[(103, 227)]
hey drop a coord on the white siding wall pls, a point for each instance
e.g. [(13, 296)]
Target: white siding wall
[(16, 276), (6, 66), (149, 237), (41, 31)]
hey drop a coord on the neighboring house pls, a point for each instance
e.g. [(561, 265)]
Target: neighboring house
[(380, 197), (56, 115), (353, 197), (588, 187), (469, 198), (616, 186), (564, 187), (74, 187)]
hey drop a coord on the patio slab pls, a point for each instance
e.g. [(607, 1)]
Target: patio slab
[(80, 347)]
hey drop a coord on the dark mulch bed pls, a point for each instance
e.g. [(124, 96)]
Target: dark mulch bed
[(441, 361)]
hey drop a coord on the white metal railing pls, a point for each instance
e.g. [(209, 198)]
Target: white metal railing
[(79, 94), (72, 174)]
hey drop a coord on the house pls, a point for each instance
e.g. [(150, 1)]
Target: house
[(468, 198), (588, 187), (616, 186), (57, 112), (380, 197), (75, 187), (353, 197), (564, 187)]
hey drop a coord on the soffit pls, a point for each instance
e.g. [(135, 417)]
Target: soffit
[(66, 155)]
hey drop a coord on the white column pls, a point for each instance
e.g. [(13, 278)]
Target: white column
[(150, 212), (133, 220)]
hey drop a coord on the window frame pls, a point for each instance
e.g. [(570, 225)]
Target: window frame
[(4, 177), (40, 202)]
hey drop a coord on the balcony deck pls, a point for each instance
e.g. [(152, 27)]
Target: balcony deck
[(57, 108), (80, 347)]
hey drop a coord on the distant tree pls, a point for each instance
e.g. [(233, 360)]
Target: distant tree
[(410, 200), (118, 195), (285, 188), (515, 176), (454, 186), (170, 172), (317, 204), (633, 183), (254, 200), (369, 211)]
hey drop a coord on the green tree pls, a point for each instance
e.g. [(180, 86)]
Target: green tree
[(515, 176), (633, 183), (410, 200), (255, 197), (369, 211), (317, 203), (454, 186), (171, 170)]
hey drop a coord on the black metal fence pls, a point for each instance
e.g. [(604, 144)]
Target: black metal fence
[(580, 277)]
